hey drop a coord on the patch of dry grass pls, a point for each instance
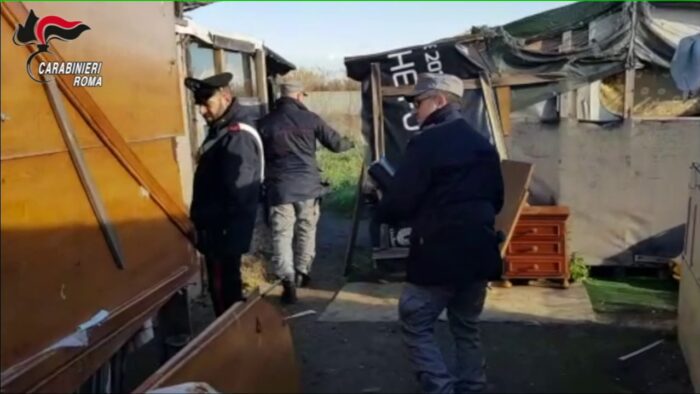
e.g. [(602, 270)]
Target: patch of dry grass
[(254, 272), (321, 81)]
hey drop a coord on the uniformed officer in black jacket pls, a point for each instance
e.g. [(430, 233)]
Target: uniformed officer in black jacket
[(449, 187), (227, 184), (293, 183)]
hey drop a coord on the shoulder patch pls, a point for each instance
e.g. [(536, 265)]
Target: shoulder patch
[(234, 128)]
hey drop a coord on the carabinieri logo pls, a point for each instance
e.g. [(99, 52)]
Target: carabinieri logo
[(41, 31)]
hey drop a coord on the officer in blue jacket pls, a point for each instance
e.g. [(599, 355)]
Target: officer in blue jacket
[(449, 187), (293, 185), (227, 186)]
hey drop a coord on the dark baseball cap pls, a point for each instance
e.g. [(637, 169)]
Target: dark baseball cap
[(203, 89), (432, 81)]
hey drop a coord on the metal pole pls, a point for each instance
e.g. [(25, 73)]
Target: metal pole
[(349, 251)]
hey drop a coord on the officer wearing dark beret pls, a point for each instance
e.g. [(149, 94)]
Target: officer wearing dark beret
[(227, 181)]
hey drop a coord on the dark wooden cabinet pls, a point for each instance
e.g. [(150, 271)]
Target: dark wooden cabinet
[(537, 249)]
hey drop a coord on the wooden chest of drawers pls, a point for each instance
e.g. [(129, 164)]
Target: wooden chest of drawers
[(537, 249)]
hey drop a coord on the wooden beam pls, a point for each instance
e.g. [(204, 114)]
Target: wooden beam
[(377, 111), (535, 45), (566, 41), (261, 78), (629, 93), (567, 103), (349, 251), (380, 99), (494, 119), (84, 174), (475, 84), (219, 61), (392, 253), (503, 94)]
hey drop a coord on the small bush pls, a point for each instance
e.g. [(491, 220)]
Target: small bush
[(579, 269), (342, 171)]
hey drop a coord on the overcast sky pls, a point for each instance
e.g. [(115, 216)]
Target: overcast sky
[(320, 34)]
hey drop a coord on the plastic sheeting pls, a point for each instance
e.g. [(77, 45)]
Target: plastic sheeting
[(626, 184), (686, 63), (623, 183), (616, 35)]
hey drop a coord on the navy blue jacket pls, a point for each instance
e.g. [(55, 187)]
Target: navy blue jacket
[(226, 190), (289, 135), (449, 187)]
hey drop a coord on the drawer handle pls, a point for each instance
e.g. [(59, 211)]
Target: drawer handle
[(534, 249), (531, 231), (536, 266)]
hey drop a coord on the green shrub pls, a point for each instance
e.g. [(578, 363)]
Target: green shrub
[(579, 269), (342, 171)]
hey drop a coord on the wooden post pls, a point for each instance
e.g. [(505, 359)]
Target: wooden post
[(107, 226), (503, 94), (494, 119), (261, 78), (349, 251), (629, 69), (629, 93), (219, 60), (377, 111), (567, 107)]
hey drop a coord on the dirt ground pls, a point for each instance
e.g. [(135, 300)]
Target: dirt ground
[(370, 357)]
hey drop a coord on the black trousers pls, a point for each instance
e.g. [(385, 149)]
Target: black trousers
[(225, 284)]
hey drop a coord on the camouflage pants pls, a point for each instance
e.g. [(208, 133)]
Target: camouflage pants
[(294, 237)]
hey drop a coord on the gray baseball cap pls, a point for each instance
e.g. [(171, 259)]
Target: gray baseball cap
[(432, 81), (291, 87)]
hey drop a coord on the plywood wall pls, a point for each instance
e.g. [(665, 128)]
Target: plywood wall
[(56, 269)]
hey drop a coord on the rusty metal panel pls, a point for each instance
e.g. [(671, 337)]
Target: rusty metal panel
[(135, 43), (248, 349)]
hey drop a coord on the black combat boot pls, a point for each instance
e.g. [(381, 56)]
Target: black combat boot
[(289, 294), (302, 280)]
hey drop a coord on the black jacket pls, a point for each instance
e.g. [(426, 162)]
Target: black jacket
[(289, 134), (227, 186), (449, 188)]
